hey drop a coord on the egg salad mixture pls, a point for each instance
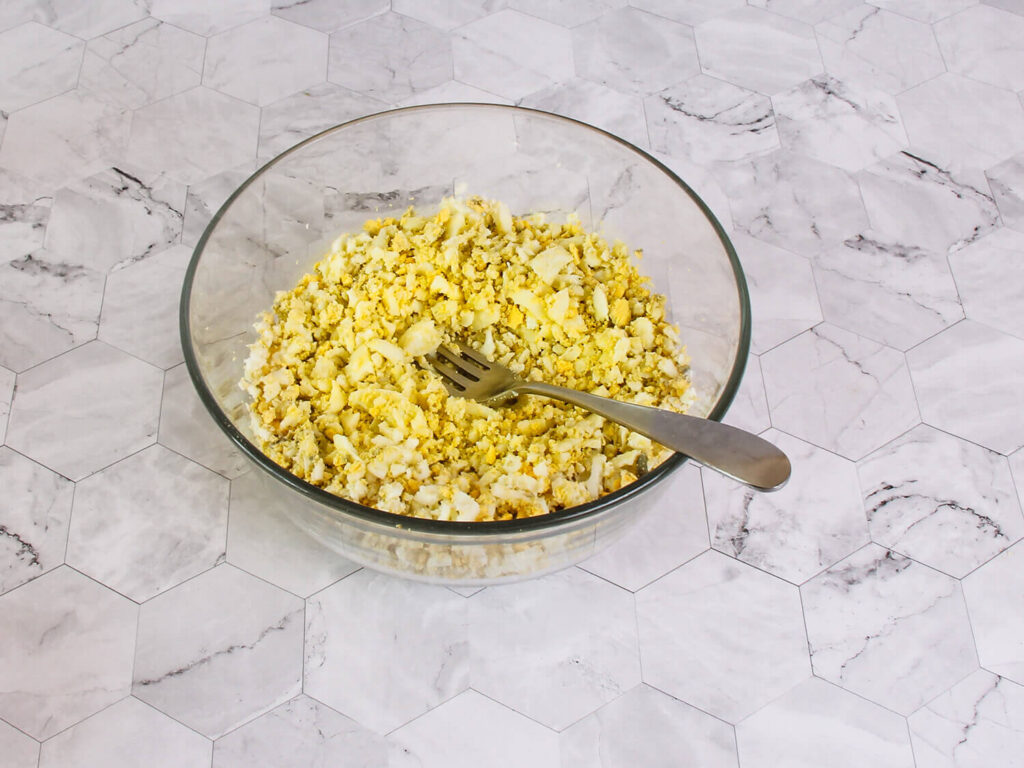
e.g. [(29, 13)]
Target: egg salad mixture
[(342, 396)]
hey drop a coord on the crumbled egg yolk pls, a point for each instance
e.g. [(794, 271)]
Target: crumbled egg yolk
[(342, 396)]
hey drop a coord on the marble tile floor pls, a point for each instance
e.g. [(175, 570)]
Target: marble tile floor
[(868, 160)]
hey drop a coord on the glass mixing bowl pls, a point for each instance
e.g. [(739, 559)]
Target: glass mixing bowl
[(285, 216)]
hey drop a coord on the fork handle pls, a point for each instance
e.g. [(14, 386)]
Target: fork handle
[(738, 454)]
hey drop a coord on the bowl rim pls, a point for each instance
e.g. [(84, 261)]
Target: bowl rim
[(539, 523)]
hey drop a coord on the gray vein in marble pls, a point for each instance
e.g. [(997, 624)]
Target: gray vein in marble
[(115, 218), (852, 574), (26, 212), (843, 353), (984, 521), (911, 290), (390, 57), (374, 202), (910, 198), (969, 124), (208, 658), (756, 124), (194, 134), (143, 62), (793, 201), (839, 122), (739, 539), (899, 635), (872, 11), (873, 45), (976, 714), (24, 548), (48, 306), (1007, 183), (32, 265), (872, 245)]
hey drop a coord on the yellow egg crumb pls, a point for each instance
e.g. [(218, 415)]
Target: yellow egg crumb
[(342, 395)]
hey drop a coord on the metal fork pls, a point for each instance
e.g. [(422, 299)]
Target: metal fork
[(731, 451)]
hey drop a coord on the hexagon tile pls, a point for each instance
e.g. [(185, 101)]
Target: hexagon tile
[(67, 651), (48, 306), (758, 50), (263, 541), (915, 199), (328, 16), (875, 45), (783, 301), (218, 650), (38, 62), (489, 54), (19, 750), (115, 217), (774, 531), (674, 531), (77, 424), (194, 134), (208, 19), (943, 501), (472, 730), (947, 116), (985, 407), (163, 518), (668, 55), (614, 111), (300, 732), (64, 138), (143, 62), (647, 727), (722, 636), (129, 732), (802, 376), (361, 56), (794, 202), (910, 290), (140, 310), (301, 115), (978, 722), (6, 395), (265, 60), (1007, 183), (837, 122), (705, 119), (866, 160), (586, 645), (186, 427), (990, 280), (34, 517), (995, 602), (888, 628), (837, 729), (350, 624), (27, 210), (749, 409)]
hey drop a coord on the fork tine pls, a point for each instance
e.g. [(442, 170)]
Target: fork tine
[(455, 360), (451, 375), (474, 356)]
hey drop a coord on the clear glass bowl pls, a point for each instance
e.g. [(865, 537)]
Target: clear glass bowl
[(284, 217)]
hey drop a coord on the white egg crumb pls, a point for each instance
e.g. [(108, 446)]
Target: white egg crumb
[(342, 396)]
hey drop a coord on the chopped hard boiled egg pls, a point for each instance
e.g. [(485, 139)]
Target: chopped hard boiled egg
[(342, 396)]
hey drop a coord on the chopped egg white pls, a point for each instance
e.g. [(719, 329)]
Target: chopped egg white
[(342, 396)]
